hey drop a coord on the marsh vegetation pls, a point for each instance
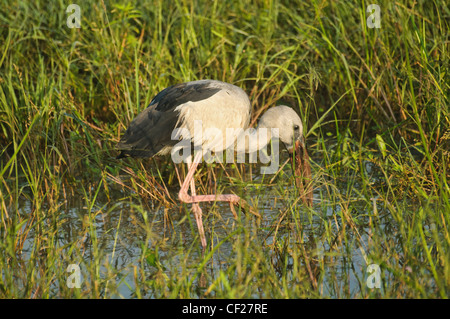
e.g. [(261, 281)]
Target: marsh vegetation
[(375, 105)]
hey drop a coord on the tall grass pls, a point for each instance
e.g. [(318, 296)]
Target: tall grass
[(375, 102)]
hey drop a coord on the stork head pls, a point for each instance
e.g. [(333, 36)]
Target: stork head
[(290, 130), (289, 124)]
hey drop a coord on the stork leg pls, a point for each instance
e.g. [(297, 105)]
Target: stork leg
[(186, 198), (230, 198), (195, 206), (194, 199), (198, 215)]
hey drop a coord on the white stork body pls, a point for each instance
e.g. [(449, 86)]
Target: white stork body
[(228, 109), (219, 107)]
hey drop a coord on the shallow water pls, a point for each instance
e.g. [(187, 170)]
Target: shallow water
[(122, 228)]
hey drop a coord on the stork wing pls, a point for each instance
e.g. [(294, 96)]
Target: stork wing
[(150, 132)]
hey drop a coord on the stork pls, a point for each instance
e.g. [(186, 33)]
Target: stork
[(217, 105)]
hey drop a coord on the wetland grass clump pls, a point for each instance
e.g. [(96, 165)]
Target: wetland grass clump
[(375, 102)]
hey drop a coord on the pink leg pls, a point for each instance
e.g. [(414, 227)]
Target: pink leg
[(184, 196), (198, 215), (196, 209), (195, 199), (230, 198)]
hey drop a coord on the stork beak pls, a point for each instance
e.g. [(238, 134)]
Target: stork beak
[(302, 170)]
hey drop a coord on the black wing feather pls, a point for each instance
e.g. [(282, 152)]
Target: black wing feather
[(175, 95)]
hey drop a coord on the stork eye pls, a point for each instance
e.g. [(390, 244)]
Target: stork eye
[(296, 127)]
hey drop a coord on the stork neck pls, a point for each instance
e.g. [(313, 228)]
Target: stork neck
[(257, 139)]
